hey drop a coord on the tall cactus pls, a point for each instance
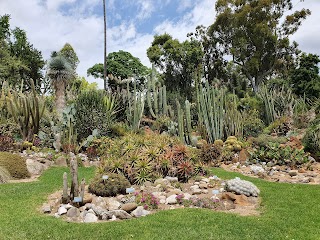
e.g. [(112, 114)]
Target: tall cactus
[(184, 122), (156, 97), (27, 110), (135, 108), (211, 109), (180, 121)]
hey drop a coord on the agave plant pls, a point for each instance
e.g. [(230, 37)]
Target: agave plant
[(142, 177), (185, 170)]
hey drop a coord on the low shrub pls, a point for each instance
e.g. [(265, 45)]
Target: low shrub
[(6, 143), (210, 152), (115, 184), (311, 140), (279, 155), (15, 165), (252, 125)]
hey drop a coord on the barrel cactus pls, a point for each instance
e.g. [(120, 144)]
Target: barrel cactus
[(239, 186)]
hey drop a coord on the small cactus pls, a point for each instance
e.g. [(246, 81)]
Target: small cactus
[(239, 186)]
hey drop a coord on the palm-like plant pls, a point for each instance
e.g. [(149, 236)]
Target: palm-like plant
[(60, 72)]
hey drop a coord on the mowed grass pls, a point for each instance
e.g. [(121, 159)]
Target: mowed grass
[(289, 211)]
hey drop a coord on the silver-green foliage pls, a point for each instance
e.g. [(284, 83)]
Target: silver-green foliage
[(211, 110), (239, 186)]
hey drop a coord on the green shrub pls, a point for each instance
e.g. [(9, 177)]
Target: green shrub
[(94, 110), (252, 125), (311, 140), (15, 164), (280, 126), (279, 155), (115, 184), (263, 140)]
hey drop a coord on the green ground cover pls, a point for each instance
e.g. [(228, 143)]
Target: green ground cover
[(289, 211)]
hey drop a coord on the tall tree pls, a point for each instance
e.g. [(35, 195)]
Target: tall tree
[(122, 65), (256, 34), (178, 62), (305, 77), (19, 60)]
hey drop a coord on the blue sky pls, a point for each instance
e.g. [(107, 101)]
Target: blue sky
[(132, 24)]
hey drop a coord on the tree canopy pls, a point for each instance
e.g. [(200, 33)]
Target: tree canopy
[(122, 65), (256, 35), (178, 61), (19, 60)]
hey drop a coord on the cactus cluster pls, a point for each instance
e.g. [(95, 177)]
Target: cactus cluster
[(239, 186), (27, 110), (211, 110), (232, 144), (135, 108), (184, 122)]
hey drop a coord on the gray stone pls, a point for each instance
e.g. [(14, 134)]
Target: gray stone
[(61, 161), (140, 212), (98, 210), (129, 207), (187, 196), (90, 218), (172, 179), (171, 199), (203, 185), (46, 208), (62, 210), (112, 204), (73, 212), (67, 206), (196, 191), (120, 214), (161, 181), (293, 173), (34, 167)]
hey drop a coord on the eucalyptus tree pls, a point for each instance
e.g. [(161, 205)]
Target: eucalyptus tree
[(256, 35)]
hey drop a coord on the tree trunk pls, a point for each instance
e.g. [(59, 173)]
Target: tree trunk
[(60, 105), (105, 48)]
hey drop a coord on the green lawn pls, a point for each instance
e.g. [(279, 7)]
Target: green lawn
[(288, 212)]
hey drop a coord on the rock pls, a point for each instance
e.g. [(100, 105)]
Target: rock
[(241, 200), (113, 218), (293, 173), (112, 204), (34, 167), (243, 156), (175, 191), (120, 214), (256, 169), (62, 210), (157, 194), (46, 208), (195, 189), (171, 179), (206, 180), (73, 212), (171, 199), (301, 170), (205, 191), (203, 185), (140, 212), (228, 205), (162, 201), (196, 183), (88, 205), (228, 196), (161, 181), (187, 196), (98, 210), (99, 201), (147, 184), (129, 207), (61, 161), (90, 218), (67, 206)]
